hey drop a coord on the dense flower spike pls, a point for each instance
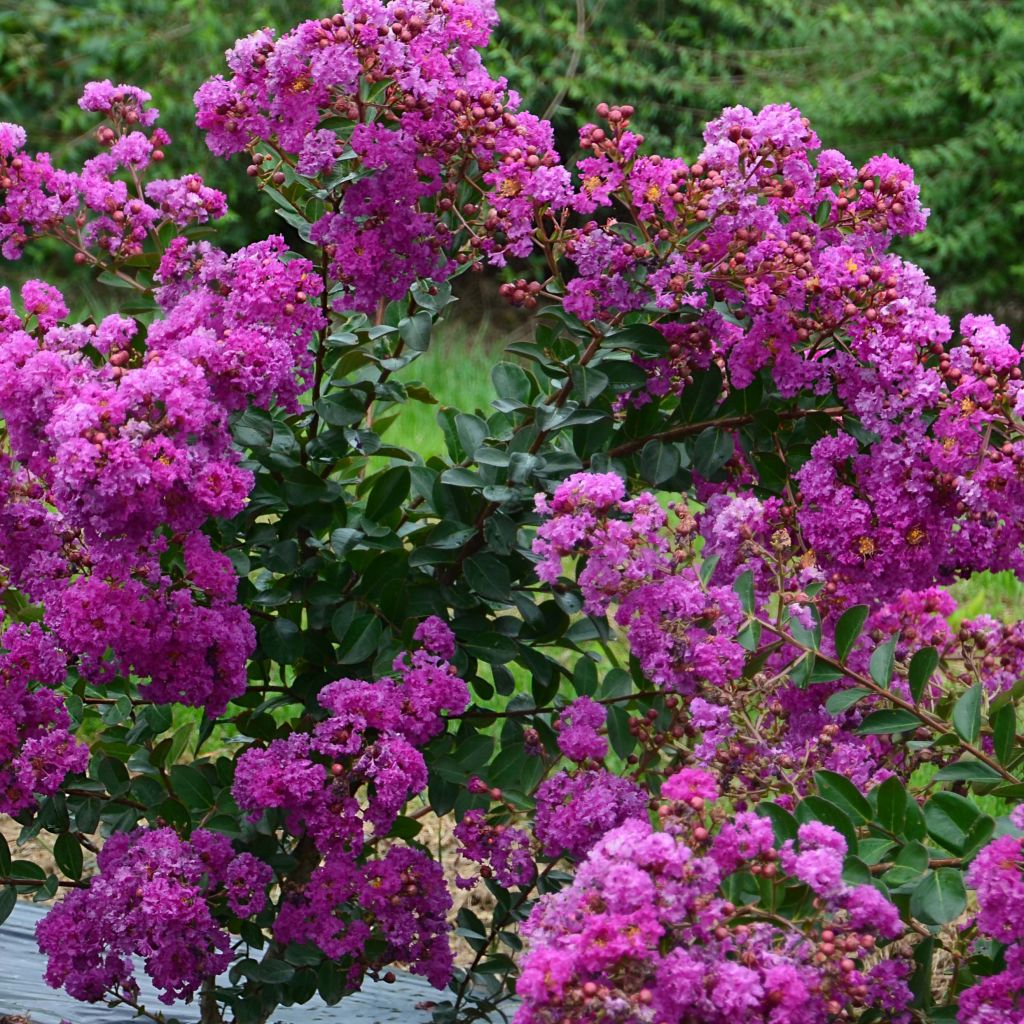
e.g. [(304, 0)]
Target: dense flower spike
[(396, 216), (641, 935), (36, 748), (151, 900)]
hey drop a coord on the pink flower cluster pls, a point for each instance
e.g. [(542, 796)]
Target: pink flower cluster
[(997, 873), (346, 784), (121, 448), (157, 897), (120, 441), (436, 119), (104, 210), (502, 851), (644, 933), (37, 749), (682, 633)]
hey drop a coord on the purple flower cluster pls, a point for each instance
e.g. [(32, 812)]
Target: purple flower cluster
[(578, 735), (997, 873), (104, 210), (155, 898), (37, 749), (682, 632), (120, 444), (644, 934), (120, 457), (575, 809), (503, 851), (346, 784)]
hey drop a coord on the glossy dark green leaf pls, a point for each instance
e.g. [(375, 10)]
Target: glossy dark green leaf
[(887, 721), (891, 801), (389, 490), (8, 901), (1004, 730), (744, 587), (281, 641), (848, 629), (711, 451), (816, 808), (949, 818), (967, 770), (588, 382), (883, 659), (845, 699), (274, 972), (922, 665), (511, 383), (191, 786), (940, 897), (658, 462), (967, 714), (844, 794), (67, 852)]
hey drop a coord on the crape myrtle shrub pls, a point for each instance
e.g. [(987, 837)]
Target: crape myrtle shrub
[(664, 634)]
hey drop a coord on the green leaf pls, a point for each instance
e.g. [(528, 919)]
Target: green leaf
[(281, 641), (191, 786), (511, 383), (744, 587), (816, 808), (978, 835), (389, 490), (949, 819), (940, 897), (892, 800), (274, 972), (883, 661), (848, 628), (784, 825), (844, 794), (359, 640), (712, 450), (588, 382), (922, 665), (114, 776), (1004, 730), (967, 715), (889, 720), (967, 770), (68, 854), (488, 576), (658, 462), (8, 901), (471, 432), (845, 699), (415, 330)]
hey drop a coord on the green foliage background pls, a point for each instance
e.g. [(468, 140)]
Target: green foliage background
[(938, 84)]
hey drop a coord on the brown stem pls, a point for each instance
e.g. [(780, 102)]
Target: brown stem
[(687, 429), (5, 880), (525, 712), (104, 796), (936, 862)]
